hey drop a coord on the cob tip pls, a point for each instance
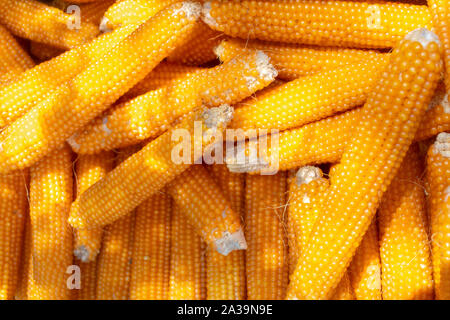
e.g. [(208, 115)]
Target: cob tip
[(265, 69), (219, 50), (192, 10), (73, 143), (82, 253), (230, 242), (206, 14), (103, 27), (307, 174), (423, 36), (442, 145)]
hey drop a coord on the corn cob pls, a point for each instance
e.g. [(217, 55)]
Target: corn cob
[(225, 275), (390, 118), (199, 47), (89, 170), (151, 114), (13, 209), (44, 52), (208, 210), (365, 268), (13, 59), (38, 22), (143, 174), (307, 192), (93, 12), (41, 80), (406, 270), (25, 261), (133, 11), (309, 98), (292, 60), (150, 269), (51, 190), (266, 256), (115, 259), (371, 24), (70, 107), (438, 180), (187, 260), (437, 117), (165, 74), (440, 16)]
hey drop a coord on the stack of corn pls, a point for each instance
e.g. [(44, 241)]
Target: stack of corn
[(241, 149)]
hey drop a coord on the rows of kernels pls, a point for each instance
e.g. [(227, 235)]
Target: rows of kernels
[(13, 58), (150, 268), (438, 183), (267, 254), (373, 24), (71, 106), (389, 120), (51, 193)]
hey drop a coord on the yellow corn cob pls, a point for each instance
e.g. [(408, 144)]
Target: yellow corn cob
[(307, 192), (199, 47), (187, 260), (208, 210), (309, 98), (365, 268), (41, 80), (71, 106), (13, 59), (225, 275), (163, 75), (143, 174), (115, 258), (438, 179), (150, 269), (13, 209), (390, 118), (25, 261), (93, 12), (266, 256), (134, 11), (440, 16), (363, 24), (89, 170), (38, 22), (293, 61), (51, 190), (151, 114), (406, 270), (44, 52), (437, 117)]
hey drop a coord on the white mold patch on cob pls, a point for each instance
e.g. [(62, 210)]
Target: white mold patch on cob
[(216, 118), (442, 145), (206, 12), (73, 143), (265, 69), (192, 10), (82, 253), (307, 174), (423, 36), (105, 126), (440, 98), (230, 242)]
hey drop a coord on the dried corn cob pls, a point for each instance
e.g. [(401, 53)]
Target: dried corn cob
[(13, 59), (187, 260), (51, 190), (114, 261), (309, 98), (404, 247), (41, 80), (390, 118), (440, 15), (225, 275), (293, 61), (363, 24), (199, 47), (71, 106), (151, 114), (208, 210), (437, 117), (89, 170), (13, 209), (365, 268), (150, 269), (143, 174), (438, 180), (266, 256), (38, 22)]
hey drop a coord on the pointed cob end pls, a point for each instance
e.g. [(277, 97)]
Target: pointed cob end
[(307, 174), (423, 36), (230, 242), (219, 50), (104, 25), (442, 144)]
